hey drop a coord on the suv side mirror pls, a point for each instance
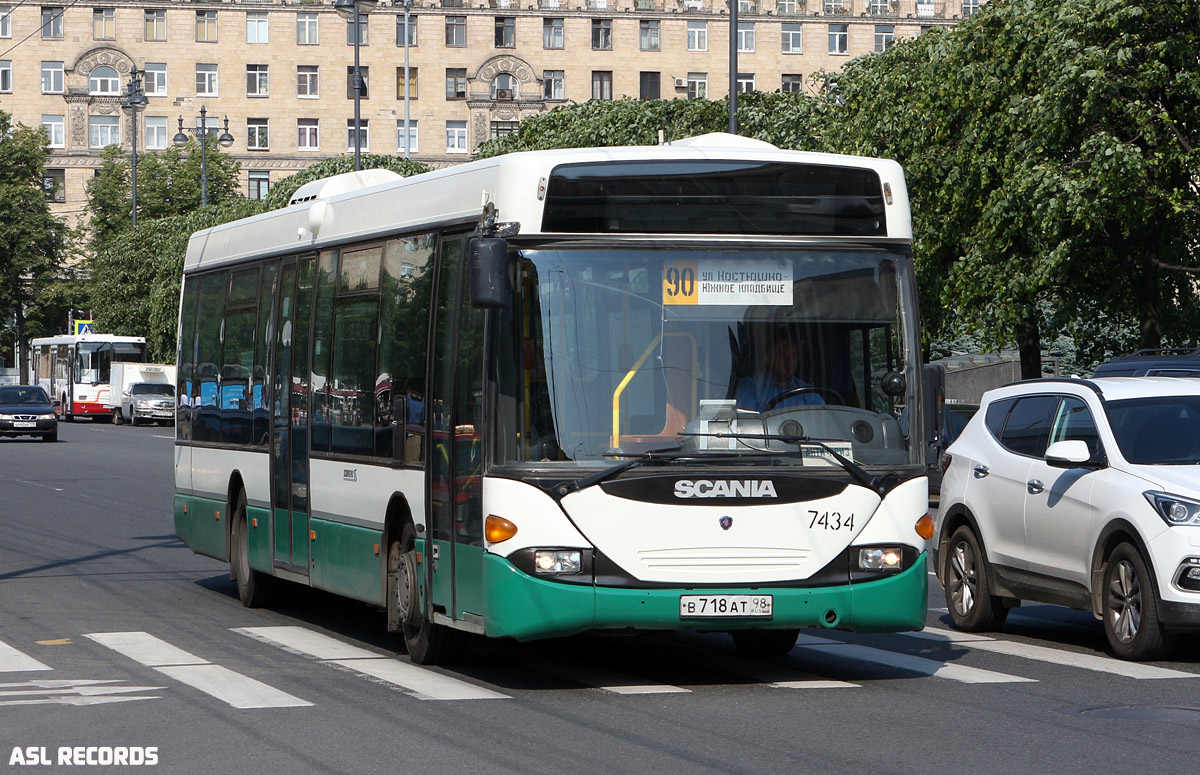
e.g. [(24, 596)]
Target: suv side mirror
[(490, 287), (1072, 453)]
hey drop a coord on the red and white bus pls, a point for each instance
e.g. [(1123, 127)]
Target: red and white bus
[(76, 369)]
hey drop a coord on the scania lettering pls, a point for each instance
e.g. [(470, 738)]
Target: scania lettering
[(502, 398)]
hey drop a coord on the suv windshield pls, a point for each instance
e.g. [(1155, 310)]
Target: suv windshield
[(1163, 430), (152, 389), (619, 351)]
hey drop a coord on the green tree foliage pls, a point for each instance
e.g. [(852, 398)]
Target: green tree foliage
[(33, 243), (281, 192)]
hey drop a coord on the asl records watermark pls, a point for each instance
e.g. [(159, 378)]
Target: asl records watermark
[(85, 756)]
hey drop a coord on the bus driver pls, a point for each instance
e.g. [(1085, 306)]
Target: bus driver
[(756, 391)]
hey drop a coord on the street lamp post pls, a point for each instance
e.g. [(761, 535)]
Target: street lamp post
[(134, 102), (353, 10), (733, 65), (407, 84), (203, 131)]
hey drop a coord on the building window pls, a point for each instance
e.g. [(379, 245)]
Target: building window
[(793, 83), (256, 80), (56, 130), (839, 38), (456, 137), (792, 38), (104, 24), (103, 131), (5, 21), (260, 183), (503, 128), (456, 83), (156, 25), (697, 85), (697, 36), (648, 37), (834, 7), (552, 33), (412, 83), (506, 32), (156, 133), (206, 80), (54, 183), (5, 76), (747, 6), (650, 86), (879, 7), (364, 135), (602, 34), (308, 81), (745, 82), (366, 72), (505, 87), (969, 7), (885, 35), (787, 7), (745, 37), (258, 138), (206, 26), (412, 136), (554, 85), (155, 83), (256, 27), (456, 31), (308, 135), (52, 77), (362, 30), (307, 33), (52, 23), (412, 30), (602, 85), (104, 81)]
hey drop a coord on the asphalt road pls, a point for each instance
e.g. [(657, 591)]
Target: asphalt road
[(114, 635)]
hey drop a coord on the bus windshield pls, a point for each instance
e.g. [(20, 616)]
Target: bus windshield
[(621, 351), (94, 360)]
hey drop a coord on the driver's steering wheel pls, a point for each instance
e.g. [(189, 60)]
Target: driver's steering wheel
[(825, 393)]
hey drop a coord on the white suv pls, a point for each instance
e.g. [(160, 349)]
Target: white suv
[(1084, 493)]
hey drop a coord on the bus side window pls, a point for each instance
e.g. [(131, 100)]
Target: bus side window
[(400, 399), (206, 413), (185, 357)]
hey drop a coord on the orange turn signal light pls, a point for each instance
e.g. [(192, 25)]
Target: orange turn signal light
[(924, 527), (498, 529)]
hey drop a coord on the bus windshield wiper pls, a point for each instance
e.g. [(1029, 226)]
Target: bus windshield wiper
[(645, 458), (854, 469)]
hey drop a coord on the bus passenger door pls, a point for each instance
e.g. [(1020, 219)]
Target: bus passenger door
[(456, 438), (289, 426)]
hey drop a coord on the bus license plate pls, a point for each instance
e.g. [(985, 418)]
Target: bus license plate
[(24, 424), (708, 606)]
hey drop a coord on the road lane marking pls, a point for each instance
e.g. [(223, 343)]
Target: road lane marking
[(13, 661), (921, 665), (1052, 655), (82, 691), (608, 680), (420, 682), (232, 688)]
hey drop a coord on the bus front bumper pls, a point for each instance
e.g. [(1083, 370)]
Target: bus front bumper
[(523, 607)]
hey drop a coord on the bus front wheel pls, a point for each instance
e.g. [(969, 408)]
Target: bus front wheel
[(427, 643)]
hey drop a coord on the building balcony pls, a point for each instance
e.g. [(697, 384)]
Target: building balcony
[(835, 9), (791, 8)]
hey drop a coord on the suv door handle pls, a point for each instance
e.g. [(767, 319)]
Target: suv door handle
[(981, 471), (1034, 486)]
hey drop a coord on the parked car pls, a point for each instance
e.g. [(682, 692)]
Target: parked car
[(1084, 493), (1153, 363), (146, 402), (25, 410)]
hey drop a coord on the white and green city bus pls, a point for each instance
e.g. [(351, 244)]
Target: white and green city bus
[(502, 398)]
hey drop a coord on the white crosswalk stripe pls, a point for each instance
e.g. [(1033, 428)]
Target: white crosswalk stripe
[(420, 682), (921, 665), (13, 661), (598, 677), (226, 685), (1051, 655)]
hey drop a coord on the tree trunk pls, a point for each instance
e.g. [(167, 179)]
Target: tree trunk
[(1143, 277), (22, 345), (1029, 344)]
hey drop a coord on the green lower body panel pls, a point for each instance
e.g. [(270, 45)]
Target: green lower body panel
[(347, 560), (258, 528), (202, 524), (526, 608)]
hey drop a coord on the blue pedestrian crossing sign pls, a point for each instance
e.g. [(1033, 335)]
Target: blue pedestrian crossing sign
[(84, 327)]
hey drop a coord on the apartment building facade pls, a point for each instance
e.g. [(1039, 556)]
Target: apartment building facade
[(282, 72)]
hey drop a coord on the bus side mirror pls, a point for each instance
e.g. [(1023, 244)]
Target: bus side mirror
[(490, 287), (933, 402)]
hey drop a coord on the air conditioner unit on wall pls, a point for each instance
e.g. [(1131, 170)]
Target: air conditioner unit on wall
[(504, 94), (680, 83)]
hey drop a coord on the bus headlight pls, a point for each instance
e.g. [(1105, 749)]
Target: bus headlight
[(880, 558), (558, 561)]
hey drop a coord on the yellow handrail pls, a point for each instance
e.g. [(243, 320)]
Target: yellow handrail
[(616, 400)]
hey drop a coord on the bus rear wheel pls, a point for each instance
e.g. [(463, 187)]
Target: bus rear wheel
[(254, 587), (427, 643), (765, 643)]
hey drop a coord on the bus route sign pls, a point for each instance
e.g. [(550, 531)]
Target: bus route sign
[(719, 282)]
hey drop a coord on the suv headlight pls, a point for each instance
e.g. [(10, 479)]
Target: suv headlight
[(1174, 509)]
